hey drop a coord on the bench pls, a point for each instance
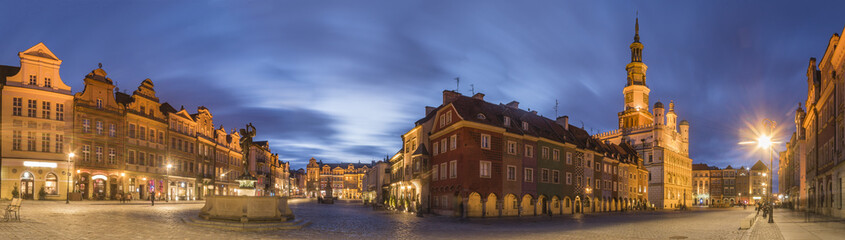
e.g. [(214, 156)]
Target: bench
[(14, 207)]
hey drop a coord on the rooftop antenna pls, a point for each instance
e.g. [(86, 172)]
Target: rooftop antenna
[(458, 84), (472, 88), (556, 104)]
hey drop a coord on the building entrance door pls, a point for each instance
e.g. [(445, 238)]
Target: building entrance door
[(113, 189), (27, 186), (99, 189)]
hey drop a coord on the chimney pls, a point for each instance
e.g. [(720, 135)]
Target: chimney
[(513, 104), (449, 96), (534, 112), (479, 96), (429, 109), (563, 121)]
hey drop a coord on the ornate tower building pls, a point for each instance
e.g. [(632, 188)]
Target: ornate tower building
[(635, 91), (657, 136)]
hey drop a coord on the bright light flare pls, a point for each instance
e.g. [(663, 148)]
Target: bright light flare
[(764, 142)]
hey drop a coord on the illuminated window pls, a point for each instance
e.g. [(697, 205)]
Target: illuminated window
[(111, 156), (99, 153), (51, 185), (86, 153), (99, 127), (86, 125)]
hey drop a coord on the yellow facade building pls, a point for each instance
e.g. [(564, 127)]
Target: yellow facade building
[(36, 127)]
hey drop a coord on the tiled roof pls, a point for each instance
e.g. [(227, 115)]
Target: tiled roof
[(421, 150), (6, 71), (480, 111), (123, 98), (166, 108)]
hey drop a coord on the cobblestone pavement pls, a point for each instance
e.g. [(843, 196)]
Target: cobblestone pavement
[(763, 230), (801, 225), (108, 220)]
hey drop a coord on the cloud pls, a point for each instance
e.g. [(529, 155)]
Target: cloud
[(342, 81)]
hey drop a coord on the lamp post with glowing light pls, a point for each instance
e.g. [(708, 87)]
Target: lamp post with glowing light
[(167, 194), (765, 142), (589, 191), (67, 189)]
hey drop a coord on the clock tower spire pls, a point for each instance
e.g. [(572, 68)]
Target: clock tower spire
[(635, 91)]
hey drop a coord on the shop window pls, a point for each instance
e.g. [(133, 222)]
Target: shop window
[(51, 186)]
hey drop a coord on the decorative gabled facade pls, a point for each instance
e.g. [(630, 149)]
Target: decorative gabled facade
[(35, 124), (657, 135), (125, 145)]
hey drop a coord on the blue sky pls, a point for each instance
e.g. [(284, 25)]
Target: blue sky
[(341, 81)]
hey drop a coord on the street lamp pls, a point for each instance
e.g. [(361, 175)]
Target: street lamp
[(765, 142), (167, 195), (67, 189)]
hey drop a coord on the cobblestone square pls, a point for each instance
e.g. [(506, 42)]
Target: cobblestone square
[(139, 220)]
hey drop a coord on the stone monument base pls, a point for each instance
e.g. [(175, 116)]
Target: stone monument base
[(246, 209)]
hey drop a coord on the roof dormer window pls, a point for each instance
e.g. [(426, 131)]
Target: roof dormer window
[(525, 126), (507, 121)]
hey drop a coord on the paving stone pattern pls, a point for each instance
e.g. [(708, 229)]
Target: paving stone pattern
[(138, 220)]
